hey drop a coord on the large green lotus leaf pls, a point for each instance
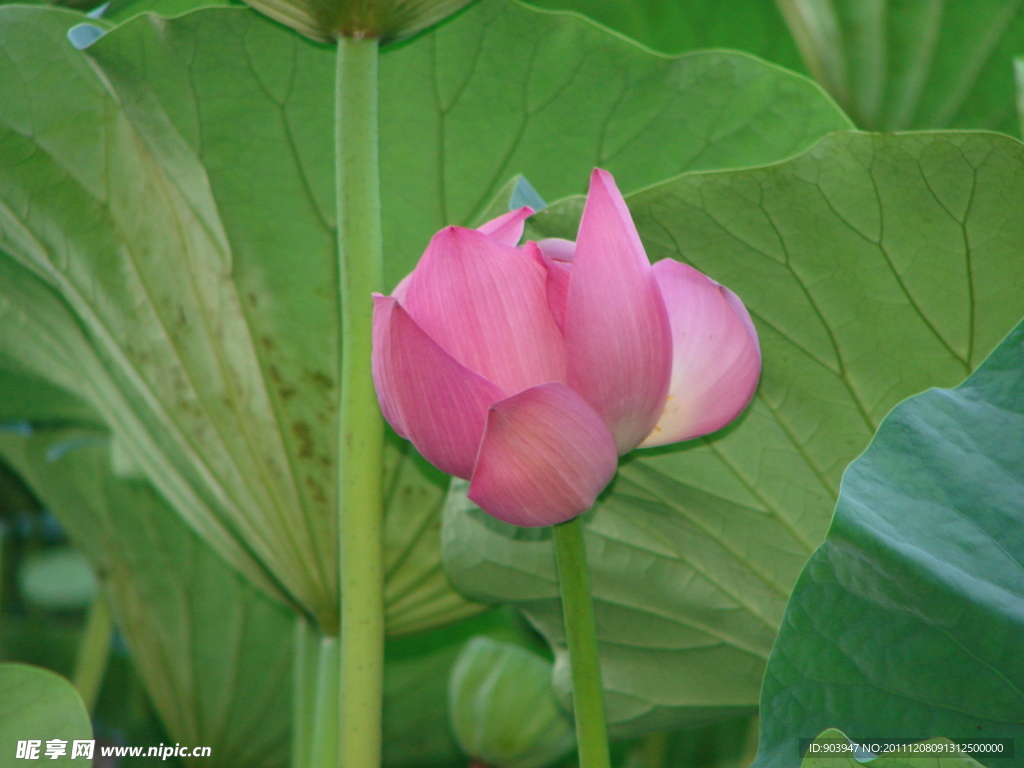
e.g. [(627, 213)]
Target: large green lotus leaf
[(874, 267), (503, 90), (898, 64), (671, 26), (127, 233), (451, 132), (40, 331), (907, 621), (215, 654), (173, 195), (38, 705)]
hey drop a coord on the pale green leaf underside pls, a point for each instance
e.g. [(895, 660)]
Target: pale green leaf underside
[(874, 267), (38, 705), (214, 653), (907, 620), (670, 26), (174, 216), (923, 64)]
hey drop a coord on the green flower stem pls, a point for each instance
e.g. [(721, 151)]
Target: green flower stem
[(94, 651), (581, 637), (360, 453), (323, 752), (304, 693)]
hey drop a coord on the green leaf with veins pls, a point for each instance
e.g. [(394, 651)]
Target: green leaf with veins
[(907, 620), (166, 201), (874, 267)]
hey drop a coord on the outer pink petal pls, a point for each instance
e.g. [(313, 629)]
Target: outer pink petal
[(545, 457), (507, 229), (616, 327), (716, 358), (428, 397), (486, 305)]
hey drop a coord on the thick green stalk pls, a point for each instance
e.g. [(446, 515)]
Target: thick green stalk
[(323, 752), (360, 453), (94, 651), (304, 693), (581, 637)]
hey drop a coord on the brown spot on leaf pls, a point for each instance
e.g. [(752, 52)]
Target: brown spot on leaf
[(316, 491), (304, 435), (321, 379)]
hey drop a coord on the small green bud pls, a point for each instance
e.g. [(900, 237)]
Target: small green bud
[(386, 20), (503, 709)]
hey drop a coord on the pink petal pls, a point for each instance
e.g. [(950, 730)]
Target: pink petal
[(486, 305), (402, 288), (616, 327), (545, 457), (557, 248), (507, 229), (428, 397), (716, 358), (557, 272), (384, 381)]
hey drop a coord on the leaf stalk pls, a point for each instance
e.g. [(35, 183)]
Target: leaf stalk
[(361, 433), (304, 693)]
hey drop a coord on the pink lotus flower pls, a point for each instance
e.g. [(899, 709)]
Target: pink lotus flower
[(529, 371)]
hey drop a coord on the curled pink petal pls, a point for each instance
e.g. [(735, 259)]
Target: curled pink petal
[(616, 327), (557, 248), (425, 394), (545, 456), (507, 229), (486, 305), (716, 360), (557, 272), (384, 375)]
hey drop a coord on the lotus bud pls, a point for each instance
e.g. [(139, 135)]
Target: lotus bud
[(528, 370), (503, 709)]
